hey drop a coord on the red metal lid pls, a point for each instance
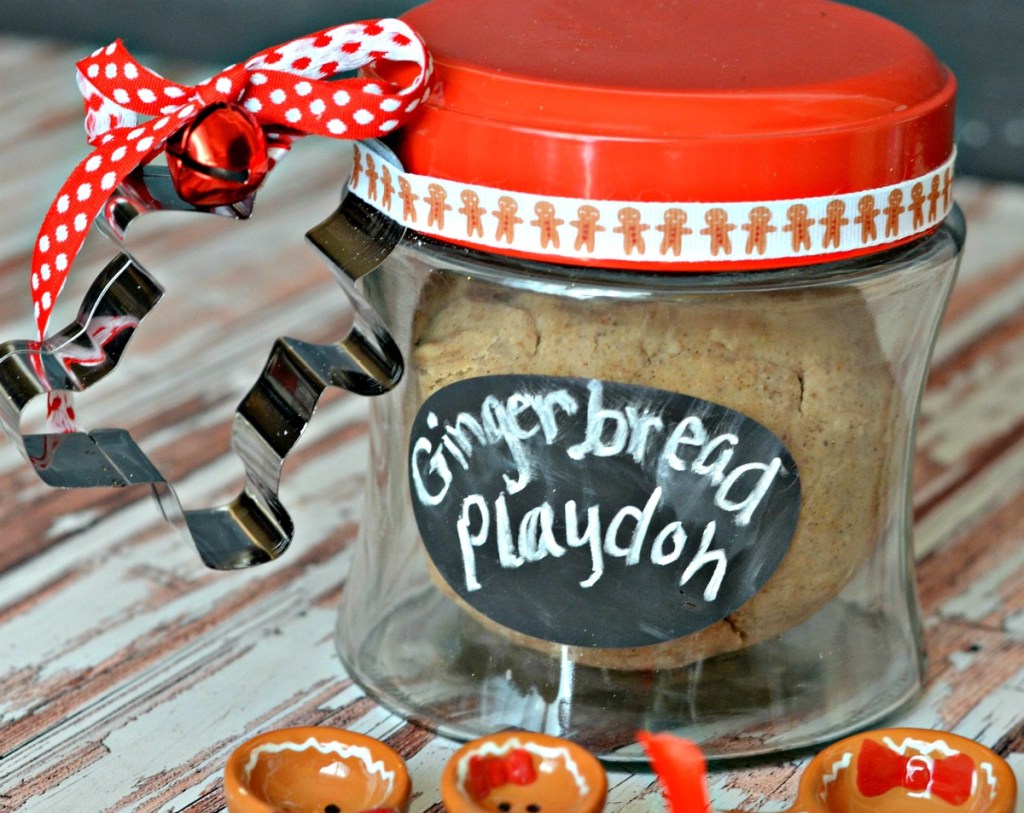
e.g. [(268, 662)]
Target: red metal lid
[(680, 100)]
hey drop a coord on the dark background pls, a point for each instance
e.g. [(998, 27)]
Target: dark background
[(981, 40)]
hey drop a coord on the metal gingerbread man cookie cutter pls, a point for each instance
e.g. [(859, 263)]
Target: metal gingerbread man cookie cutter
[(255, 527)]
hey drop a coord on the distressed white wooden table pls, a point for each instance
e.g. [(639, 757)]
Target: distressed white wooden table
[(128, 672)]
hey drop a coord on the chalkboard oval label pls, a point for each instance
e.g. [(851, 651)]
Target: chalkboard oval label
[(598, 514)]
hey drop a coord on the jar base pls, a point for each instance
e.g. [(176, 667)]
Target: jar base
[(843, 670)]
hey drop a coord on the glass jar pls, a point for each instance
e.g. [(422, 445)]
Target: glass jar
[(621, 487), (833, 363)]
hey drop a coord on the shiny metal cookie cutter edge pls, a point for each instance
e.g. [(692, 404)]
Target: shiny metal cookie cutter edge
[(255, 527)]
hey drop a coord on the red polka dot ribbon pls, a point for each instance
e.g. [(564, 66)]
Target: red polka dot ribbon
[(285, 88)]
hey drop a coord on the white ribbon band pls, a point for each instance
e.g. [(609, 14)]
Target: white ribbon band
[(652, 233)]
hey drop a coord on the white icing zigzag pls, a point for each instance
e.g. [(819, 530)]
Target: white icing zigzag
[(921, 746), (991, 777), (339, 749), (838, 767)]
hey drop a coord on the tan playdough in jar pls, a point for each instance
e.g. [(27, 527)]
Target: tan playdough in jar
[(805, 364)]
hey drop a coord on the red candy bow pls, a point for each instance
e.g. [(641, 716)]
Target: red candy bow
[(284, 90), (880, 769), (490, 772)]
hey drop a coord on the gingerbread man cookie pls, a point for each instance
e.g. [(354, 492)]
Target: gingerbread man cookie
[(632, 229), (586, 226), (947, 188), (437, 198), (387, 187), (893, 212), (758, 228), (917, 201), (867, 214), (473, 212), (799, 226), (507, 218), (409, 199), (673, 229), (371, 178), (718, 228), (833, 221), (357, 166), (934, 195), (547, 223)]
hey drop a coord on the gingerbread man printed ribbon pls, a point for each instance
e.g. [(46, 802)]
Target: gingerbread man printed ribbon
[(283, 88), (652, 235)]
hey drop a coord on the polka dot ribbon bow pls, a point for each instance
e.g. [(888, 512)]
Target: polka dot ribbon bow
[(285, 89)]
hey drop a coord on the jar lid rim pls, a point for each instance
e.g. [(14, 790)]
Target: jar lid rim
[(664, 235), (715, 101)]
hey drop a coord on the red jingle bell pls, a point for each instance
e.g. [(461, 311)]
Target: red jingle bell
[(219, 158)]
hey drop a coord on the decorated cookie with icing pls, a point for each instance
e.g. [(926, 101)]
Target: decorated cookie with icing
[(522, 772), (903, 770), (315, 770)]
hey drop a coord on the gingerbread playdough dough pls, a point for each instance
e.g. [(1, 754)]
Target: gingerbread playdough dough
[(805, 364)]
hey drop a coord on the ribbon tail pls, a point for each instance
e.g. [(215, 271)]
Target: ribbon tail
[(63, 233), (59, 241)]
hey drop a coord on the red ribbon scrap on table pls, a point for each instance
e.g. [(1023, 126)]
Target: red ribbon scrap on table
[(681, 769), (880, 769), (285, 88)]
